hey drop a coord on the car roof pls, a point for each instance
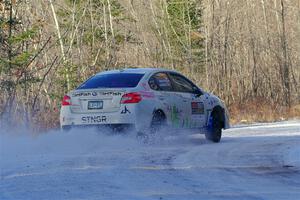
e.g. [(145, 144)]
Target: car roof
[(136, 70)]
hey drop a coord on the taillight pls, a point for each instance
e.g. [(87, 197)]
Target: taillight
[(66, 101), (132, 97)]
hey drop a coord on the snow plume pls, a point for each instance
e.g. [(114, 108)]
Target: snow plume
[(79, 148), (21, 142), (56, 142)]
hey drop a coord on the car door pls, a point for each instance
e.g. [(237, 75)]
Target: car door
[(192, 101), (169, 101)]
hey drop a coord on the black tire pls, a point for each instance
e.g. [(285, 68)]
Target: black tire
[(66, 128), (157, 123), (214, 133)]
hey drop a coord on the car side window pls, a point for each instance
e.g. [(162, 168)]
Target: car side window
[(181, 84), (160, 81)]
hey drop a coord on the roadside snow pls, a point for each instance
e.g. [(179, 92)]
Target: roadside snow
[(253, 162)]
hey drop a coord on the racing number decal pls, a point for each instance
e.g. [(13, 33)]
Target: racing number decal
[(197, 108)]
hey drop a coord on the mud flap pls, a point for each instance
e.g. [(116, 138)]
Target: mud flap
[(209, 127)]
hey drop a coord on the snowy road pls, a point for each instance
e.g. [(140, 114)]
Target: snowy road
[(257, 162)]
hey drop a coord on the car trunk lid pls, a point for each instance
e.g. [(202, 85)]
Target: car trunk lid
[(96, 100)]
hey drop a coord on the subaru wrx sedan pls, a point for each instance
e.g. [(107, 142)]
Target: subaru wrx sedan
[(144, 99)]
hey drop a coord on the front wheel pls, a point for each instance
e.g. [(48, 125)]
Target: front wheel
[(214, 132)]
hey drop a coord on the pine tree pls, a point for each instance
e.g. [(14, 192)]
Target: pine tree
[(16, 56)]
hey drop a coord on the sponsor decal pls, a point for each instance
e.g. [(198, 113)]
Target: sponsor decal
[(163, 80), (83, 94), (86, 94), (94, 119), (186, 123), (164, 83), (176, 116), (125, 110), (111, 93), (197, 108), (178, 120)]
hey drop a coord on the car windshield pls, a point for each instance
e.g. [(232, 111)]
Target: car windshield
[(114, 80)]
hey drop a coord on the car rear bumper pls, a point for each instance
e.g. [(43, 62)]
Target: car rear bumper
[(105, 128), (68, 118)]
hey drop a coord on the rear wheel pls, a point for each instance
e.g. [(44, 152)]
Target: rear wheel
[(157, 123), (215, 126)]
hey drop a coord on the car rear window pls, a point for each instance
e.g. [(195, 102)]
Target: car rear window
[(114, 80)]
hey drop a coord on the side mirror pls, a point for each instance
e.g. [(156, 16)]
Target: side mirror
[(197, 92)]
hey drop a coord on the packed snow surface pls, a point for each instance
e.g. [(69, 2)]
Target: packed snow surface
[(261, 161)]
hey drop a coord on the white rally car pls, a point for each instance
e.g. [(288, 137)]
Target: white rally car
[(144, 99)]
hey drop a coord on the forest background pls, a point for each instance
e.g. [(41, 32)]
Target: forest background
[(246, 52)]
